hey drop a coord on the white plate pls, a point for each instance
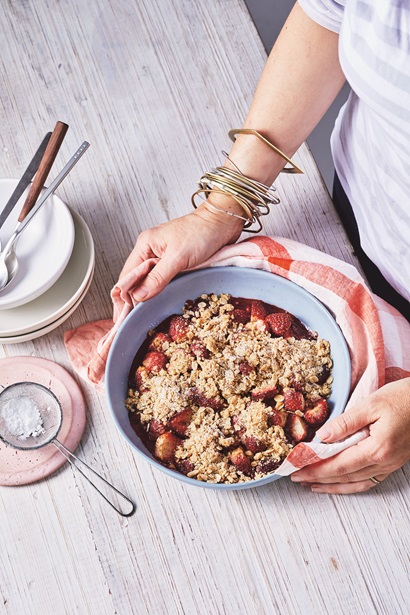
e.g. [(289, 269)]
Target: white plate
[(62, 295), (17, 339), (43, 249)]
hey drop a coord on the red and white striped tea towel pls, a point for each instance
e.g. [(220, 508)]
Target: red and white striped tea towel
[(376, 334)]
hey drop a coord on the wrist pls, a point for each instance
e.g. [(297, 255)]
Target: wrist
[(255, 159), (229, 225)]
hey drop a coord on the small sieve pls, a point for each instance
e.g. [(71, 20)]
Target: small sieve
[(46, 409)]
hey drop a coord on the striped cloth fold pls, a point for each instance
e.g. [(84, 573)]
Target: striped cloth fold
[(375, 332)]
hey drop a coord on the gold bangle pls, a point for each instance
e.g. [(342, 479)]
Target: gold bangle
[(249, 188), (252, 216), (230, 188), (250, 131), (214, 208)]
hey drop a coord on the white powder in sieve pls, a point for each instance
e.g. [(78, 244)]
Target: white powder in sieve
[(22, 418)]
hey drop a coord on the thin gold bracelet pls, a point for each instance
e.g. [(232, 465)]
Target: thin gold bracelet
[(250, 189), (252, 216), (250, 131), (214, 208), (232, 189)]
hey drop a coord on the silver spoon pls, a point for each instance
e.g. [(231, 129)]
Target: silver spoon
[(49, 155), (8, 258), (43, 168)]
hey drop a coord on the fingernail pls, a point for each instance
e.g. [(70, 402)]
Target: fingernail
[(317, 489), (140, 294), (296, 479), (324, 433)]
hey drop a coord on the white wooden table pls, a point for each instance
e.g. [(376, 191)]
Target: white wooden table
[(155, 86)]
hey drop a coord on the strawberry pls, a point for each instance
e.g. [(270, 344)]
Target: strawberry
[(184, 466), (198, 398), (237, 425), (245, 368), (298, 386), (276, 417), (300, 332), (241, 461), (178, 328), (254, 444), (238, 432), (264, 394), (154, 361), (193, 304), (258, 311), (293, 400), (318, 414), (323, 374), (158, 341), (199, 350), (241, 316), (179, 423), (267, 465), (141, 376), (165, 447), (296, 428), (279, 323), (155, 429)]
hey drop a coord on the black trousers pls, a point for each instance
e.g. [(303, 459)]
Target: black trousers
[(377, 282)]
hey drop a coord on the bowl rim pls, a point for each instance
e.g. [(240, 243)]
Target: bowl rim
[(147, 456)]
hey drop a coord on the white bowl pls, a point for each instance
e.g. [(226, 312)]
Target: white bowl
[(238, 282), (56, 301), (43, 249), (32, 335)]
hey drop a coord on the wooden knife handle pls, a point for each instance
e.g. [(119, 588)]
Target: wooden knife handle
[(46, 163)]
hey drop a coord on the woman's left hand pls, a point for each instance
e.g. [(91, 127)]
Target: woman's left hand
[(387, 415)]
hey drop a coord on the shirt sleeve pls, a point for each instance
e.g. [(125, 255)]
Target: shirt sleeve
[(327, 13)]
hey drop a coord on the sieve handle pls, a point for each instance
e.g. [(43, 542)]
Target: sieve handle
[(75, 461)]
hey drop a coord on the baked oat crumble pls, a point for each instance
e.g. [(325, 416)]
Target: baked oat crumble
[(224, 391)]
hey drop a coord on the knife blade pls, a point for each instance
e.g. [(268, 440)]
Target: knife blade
[(25, 179)]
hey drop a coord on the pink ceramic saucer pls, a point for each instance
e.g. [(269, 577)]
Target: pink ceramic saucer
[(23, 467)]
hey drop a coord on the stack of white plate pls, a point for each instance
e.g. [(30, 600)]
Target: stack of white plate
[(56, 266)]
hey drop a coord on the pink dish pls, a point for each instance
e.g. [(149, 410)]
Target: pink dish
[(24, 467)]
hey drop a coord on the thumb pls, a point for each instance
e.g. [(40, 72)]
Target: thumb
[(158, 278), (346, 424)]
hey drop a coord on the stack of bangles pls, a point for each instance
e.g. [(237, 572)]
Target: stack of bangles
[(254, 197)]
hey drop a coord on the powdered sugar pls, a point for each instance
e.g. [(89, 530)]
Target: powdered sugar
[(22, 418)]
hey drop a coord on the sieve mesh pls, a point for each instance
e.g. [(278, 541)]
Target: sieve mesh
[(29, 407)]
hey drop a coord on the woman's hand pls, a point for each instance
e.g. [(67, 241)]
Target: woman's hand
[(180, 244), (387, 414)]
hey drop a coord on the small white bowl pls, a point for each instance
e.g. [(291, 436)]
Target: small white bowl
[(43, 249), (56, 301)]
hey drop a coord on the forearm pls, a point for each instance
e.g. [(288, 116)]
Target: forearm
[(301, 78), (300, 81)]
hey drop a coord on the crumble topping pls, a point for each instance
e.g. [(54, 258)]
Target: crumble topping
[(223, 398)]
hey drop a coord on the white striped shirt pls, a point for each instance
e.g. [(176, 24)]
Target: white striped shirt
[(371, 138)]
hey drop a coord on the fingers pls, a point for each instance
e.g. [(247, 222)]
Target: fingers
[(166, 269), (348, 461), (346, 424), (345, 488), (353, 477), (387, 414), (141, 252)]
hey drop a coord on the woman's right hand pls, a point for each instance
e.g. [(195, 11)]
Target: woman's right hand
[(180, 244)]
